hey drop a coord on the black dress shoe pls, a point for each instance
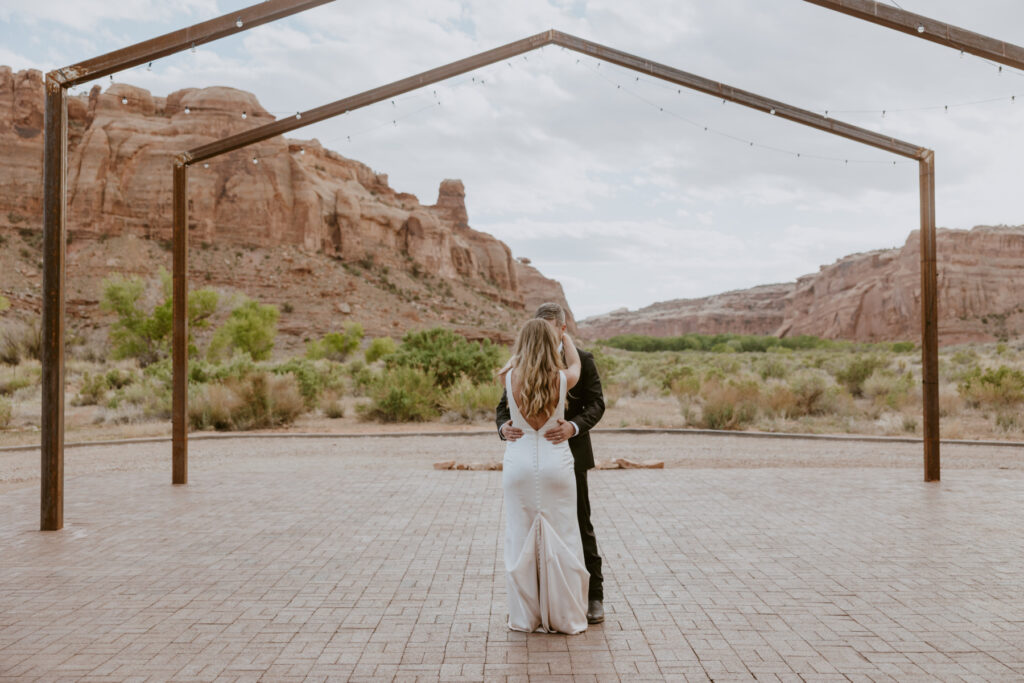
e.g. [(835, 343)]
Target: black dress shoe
[(595, 612)]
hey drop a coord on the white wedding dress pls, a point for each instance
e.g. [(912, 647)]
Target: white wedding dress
[(546, 578)]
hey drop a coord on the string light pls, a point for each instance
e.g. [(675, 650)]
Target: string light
[(302, 150), (920, 28), (149, 67), (124, 100), (193, 48), (245, 115), (255, 160), (206, 165), (239, 23), (188, 110), (298, 115)]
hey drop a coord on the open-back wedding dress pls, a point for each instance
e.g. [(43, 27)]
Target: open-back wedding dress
[(546, 578)]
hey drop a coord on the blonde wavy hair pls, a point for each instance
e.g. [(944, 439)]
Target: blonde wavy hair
[(537, 362)]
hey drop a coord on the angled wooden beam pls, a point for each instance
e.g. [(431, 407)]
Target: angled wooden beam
[(177, 41), (726, 92), (929, 29), (743, 97), (55, 147)]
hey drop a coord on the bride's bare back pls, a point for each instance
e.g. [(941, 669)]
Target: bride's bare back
[(535, 421)]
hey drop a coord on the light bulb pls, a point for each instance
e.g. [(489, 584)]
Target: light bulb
[(883, 113), (298, 115), (149, 67), (206, 166), (187, 110), (826, 113), (920, 28), (193, 48), (244, 115), (772, 111), (255, 160), (124, 100), (302, 150), (349, 138), (239, 23)]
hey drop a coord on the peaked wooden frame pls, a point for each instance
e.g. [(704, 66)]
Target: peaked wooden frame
[(924, 157), (55, 149)]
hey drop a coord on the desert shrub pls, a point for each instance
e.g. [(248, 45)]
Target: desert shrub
[(902, 347), (404, 394), (681, 380), (773, 368), (5, 303), (6, 411), (853, 374), (1007, 422), (257, 401), (336, 345), (250, 328), (889, 388), (22, 341), (780, 401), (150, 398), (717, 343), (312, 377), (117, 378), (93, 390), (729, 405), (380, 347), (9, 385), (360, 375), (446, 356), (331, 405), (143, 335), (468, 401), (998, 387), (811, 395), (909, 423)]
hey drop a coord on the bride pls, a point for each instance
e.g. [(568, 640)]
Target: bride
[(545, 574)]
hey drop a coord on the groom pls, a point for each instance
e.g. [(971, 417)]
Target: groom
[(584, 407)]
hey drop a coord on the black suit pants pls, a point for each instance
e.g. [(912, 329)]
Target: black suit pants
[(590, 555)]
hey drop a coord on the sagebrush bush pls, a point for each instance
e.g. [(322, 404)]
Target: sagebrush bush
[(729, 405), (93, 390), (380, 347), (257, 401), (1000, 387), (469, 401), (22, 341), (889, 388), (404, 394), (811, 395), (331, 405), (856, 371), (313, 377)]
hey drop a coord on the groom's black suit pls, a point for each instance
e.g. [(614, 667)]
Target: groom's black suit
[(584, 407)]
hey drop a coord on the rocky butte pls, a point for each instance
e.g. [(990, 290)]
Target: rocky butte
[(872, 296), (322, 235)]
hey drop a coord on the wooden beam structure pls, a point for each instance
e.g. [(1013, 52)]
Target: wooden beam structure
[(766, 105), (55, 145), (983, 46), (929, 29)]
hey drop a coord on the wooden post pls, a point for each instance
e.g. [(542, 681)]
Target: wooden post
[(179, 354), (55, 136), (929, 319)]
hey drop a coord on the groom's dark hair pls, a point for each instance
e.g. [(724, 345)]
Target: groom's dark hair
[(551, 311)]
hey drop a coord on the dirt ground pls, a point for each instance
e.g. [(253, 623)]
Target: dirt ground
[(20, 468)]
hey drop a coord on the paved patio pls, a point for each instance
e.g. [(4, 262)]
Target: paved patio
[(354, 560)]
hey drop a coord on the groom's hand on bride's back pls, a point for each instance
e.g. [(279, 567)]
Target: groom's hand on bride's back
[(564, 431), (509, 432)]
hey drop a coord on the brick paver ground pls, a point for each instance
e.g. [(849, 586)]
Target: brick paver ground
[(353, 559)]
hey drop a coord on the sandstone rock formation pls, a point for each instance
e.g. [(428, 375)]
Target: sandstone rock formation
[(871, 296), (278, 194)]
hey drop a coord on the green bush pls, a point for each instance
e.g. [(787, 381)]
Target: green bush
[(717, 343), (446, 356), (313, 377), (250, 328), (20, 342), (258, 401), (336, 345), (380, 347), (856, 371), (1001, 387), (811, 395), (404, 394), (889, 388), (14, 383), (147, 336), (93, 390), (331, 405), (469, 401)]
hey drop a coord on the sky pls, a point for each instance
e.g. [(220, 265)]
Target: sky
[(608, 182)]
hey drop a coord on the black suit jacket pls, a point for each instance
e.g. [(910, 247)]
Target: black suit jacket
[(584, 405)]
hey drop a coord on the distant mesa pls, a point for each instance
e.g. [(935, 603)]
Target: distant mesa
[(873, 296), (300, 197)]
